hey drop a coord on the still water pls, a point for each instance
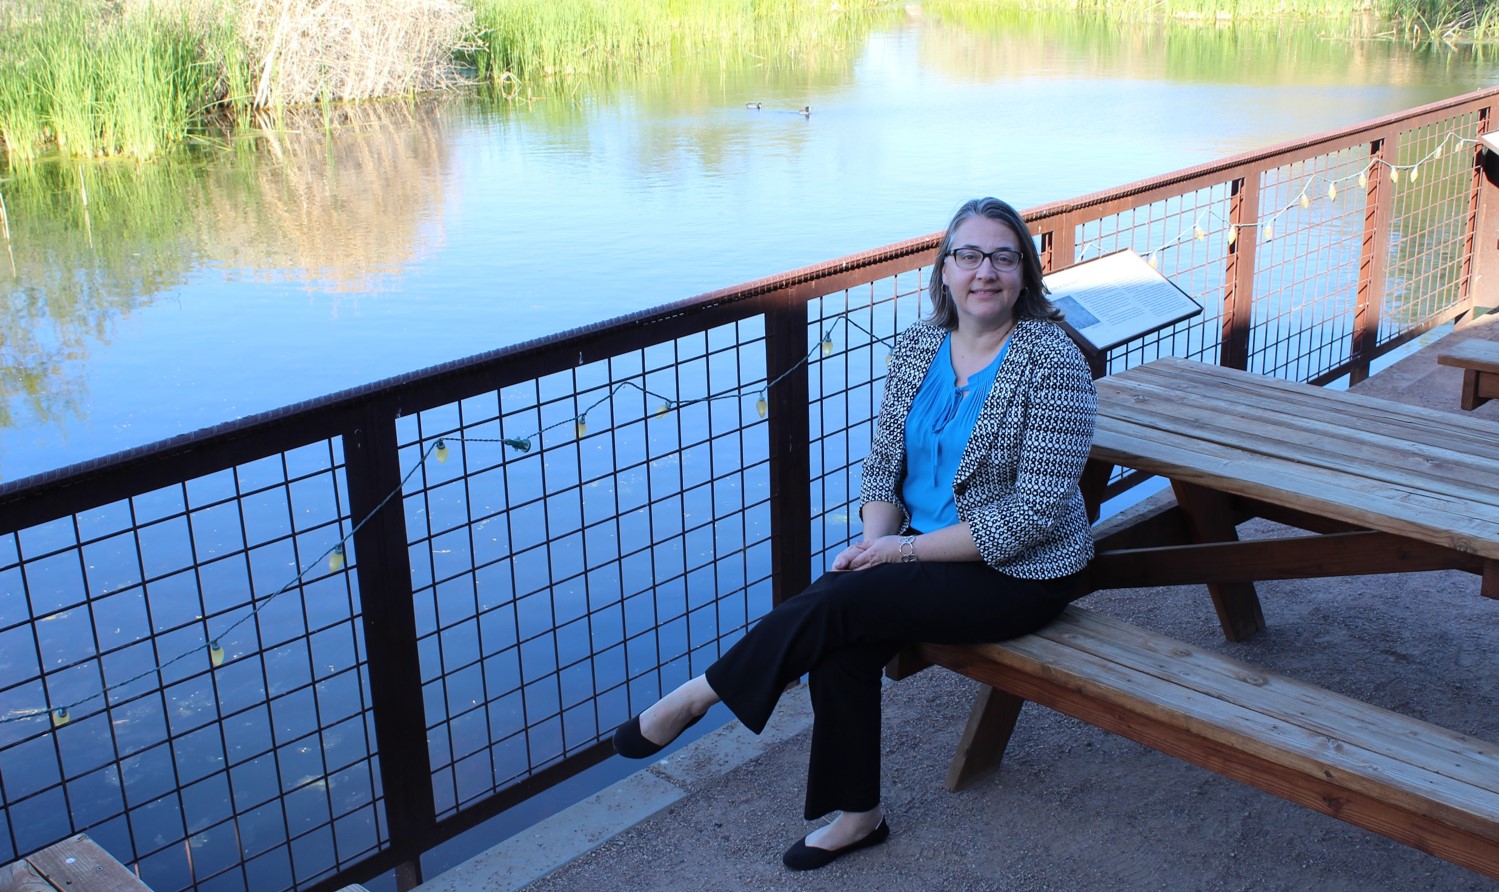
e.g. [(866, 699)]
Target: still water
[(333, 250)]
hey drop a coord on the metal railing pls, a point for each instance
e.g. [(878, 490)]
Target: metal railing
[(328, 643)]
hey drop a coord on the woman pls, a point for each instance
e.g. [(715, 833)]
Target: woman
[(974, 526)]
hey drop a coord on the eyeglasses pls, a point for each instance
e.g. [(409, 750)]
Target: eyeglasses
[(1004, 259)]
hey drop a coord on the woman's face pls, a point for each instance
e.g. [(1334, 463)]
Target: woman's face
[(984, 296)]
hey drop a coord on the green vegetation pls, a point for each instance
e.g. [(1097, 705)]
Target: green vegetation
[(131, 77), (94, 84), (534, 40)]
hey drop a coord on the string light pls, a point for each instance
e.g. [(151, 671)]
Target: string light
[(1303, 199), (336, 558), (664, 409), (827, 345), (441, 452), (60, 717), (216, 654), (582, 427), (762, 408)]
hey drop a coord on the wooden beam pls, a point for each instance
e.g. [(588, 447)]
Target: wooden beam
[(1256, 560), (991, 721)]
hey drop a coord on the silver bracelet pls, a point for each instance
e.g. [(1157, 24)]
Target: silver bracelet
[(908, 550)]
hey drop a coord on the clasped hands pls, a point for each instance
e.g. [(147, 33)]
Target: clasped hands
[(866, 553)]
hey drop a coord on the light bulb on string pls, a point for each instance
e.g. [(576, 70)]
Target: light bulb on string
[(1306, 201), (440, 452), (216, 654), (1437, 152), (1198, 234), (1363, 179), (336, 558), (1233, 235), (520, 444), (827, 345), (663, 410), (1394, 174), (1415, 173), (1269, 231), (1154, 261), (1332, 191), (762, 408), (581, 428), (60, 717)]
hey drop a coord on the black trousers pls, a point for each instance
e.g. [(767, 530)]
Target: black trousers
[(842, 630)]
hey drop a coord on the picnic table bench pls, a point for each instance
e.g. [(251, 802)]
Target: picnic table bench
[(1379, 487), (1479, 360)]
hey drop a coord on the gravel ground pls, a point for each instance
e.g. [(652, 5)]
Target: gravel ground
[(1075, 808)]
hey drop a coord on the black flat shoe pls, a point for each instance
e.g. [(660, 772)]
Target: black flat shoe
[(630, 743), (804, 857)]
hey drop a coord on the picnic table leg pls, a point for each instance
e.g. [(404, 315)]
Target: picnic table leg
[(1210, 519), (990, 723), (1490, 586)]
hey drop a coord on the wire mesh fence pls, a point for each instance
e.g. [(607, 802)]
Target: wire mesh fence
[(301, 649)]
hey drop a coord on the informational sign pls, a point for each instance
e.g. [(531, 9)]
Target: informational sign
[(1115, 299)]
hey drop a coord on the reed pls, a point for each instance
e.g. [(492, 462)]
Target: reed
[(535, 40), (95, 83), (1474, 20)]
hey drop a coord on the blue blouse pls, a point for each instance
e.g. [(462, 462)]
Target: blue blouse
[(937, 430)]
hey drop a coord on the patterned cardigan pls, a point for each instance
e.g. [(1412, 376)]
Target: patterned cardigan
[(1017, 481)]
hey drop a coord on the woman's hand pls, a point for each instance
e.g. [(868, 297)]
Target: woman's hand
[(865, 554)]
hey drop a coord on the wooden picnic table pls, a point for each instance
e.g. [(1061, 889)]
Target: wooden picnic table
[(1382, 487), (1379, 487)]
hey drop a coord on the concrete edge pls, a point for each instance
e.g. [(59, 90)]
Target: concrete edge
[(580, 828)]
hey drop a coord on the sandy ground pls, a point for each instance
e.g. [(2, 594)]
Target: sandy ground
[(1074, 808)]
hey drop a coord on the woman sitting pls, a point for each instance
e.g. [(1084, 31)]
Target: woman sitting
[(974, 525)]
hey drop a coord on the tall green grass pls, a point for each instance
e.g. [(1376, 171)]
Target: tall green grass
[(534, 40), (93, 82), (1476, 20)]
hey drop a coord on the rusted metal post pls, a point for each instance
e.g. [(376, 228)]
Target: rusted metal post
[(384, 574), (790, 440), (1238, 271), (1374, 254), (1481, 240)]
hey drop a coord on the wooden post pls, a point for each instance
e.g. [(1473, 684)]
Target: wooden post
[(1379, 195), (790, 440), (1238, 272), (1481, 242)]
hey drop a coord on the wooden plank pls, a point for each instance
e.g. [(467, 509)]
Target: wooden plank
[(1443, 521), (1164, 452), (1328, 441), (1473, 353), (78, 864), (1249, 385), (1102, 682), (1474, 849), (1117, 698), (1421, 744), (1414, 424)]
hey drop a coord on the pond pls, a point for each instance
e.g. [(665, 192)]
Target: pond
[(331, 250)]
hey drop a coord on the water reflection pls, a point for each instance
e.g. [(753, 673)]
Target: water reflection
[(323, 252)]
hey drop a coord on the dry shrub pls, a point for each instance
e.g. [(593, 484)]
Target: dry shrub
[(304, 51)]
